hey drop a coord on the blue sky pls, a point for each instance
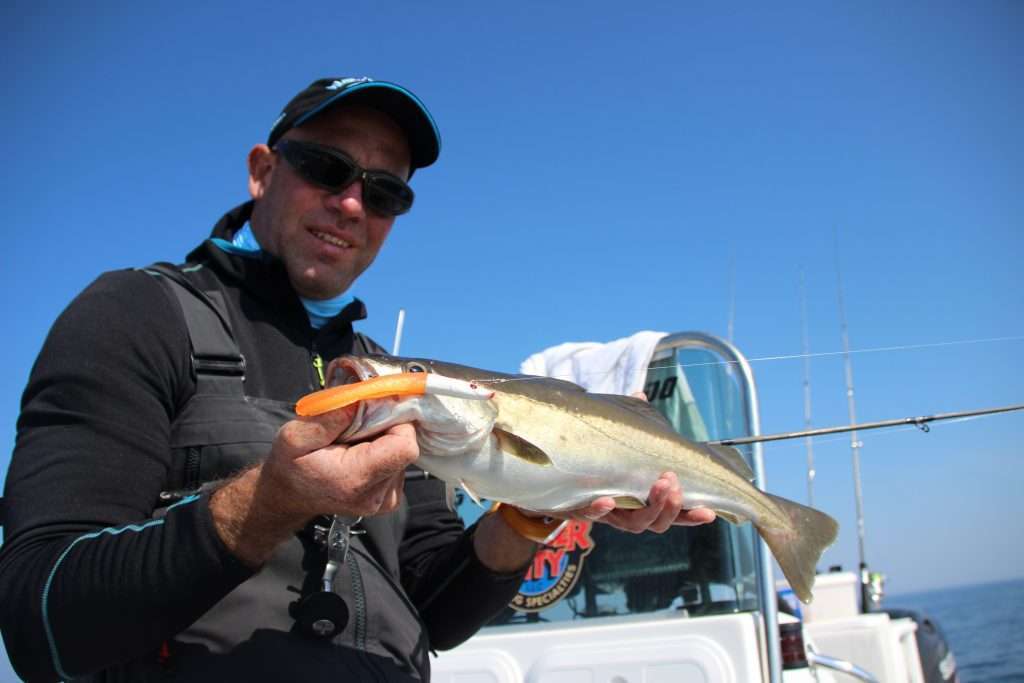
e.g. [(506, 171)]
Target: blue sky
[(602, 166)]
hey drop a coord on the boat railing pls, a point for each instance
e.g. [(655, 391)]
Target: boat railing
[(748, 390), (840, 665)]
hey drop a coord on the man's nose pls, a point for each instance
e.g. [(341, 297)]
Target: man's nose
[(349, 201)]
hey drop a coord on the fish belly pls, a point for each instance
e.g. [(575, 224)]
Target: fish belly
[(493, 475)]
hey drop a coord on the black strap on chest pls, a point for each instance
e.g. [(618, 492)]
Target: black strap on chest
[(215, 352)]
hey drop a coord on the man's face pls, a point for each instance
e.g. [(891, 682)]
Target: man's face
[(326, 239)]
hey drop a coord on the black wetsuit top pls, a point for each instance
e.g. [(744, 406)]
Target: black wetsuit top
[(104, 576)]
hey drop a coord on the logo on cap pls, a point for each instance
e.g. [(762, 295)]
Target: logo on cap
[(343, 82)]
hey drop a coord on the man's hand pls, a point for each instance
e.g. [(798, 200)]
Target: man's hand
[(314, 475), (503, 549), (308, 474), (664, 509)]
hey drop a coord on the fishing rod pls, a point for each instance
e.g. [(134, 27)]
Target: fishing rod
[(920, 422), (807, 389), (399, 326), (855, 444)]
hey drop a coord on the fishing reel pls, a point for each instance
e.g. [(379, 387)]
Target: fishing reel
[(324, 614), (320, 615)]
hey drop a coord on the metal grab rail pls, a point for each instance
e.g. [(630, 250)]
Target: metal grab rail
[(765, 579), (840, 665)]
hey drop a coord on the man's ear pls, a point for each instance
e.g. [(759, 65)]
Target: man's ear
[(261, 170)]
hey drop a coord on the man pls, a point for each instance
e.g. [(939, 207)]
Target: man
[(167, 517)]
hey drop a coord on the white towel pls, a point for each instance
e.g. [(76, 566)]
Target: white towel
[(617, 367)]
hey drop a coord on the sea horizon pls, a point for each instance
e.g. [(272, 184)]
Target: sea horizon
[(983, 624), (952, 586)]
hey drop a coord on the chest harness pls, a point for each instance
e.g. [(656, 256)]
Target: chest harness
[(219, 428)]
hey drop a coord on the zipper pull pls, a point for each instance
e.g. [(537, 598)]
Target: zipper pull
[(318, 365)]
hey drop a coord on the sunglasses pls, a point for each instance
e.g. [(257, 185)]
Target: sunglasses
[(384, 193)]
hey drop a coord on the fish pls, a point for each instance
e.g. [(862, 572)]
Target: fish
[(550, 446)]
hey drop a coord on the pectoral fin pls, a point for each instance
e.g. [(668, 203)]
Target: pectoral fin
[(518, 447), (629, 502)]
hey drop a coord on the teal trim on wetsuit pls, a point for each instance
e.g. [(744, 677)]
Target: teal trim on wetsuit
[(319, 311)]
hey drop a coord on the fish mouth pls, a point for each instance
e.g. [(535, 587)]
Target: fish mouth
[(366, 421), (348, 370)]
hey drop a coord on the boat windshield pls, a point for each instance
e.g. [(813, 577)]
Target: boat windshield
[(593, 570)]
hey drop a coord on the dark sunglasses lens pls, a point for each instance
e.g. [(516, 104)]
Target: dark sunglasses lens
[(386, 194), (322, 167), (332, 170)]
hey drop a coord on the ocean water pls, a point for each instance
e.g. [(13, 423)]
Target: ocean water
[(984, 625)]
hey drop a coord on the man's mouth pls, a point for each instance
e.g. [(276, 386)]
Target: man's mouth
[(331, 239)]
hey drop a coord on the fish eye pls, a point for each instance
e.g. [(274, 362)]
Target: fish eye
[(416, 367)]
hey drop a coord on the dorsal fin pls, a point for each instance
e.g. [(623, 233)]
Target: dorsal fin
[(552, 383), (638, 406), (731, 458)]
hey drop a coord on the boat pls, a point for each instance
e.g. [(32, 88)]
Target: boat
[(698, 604)]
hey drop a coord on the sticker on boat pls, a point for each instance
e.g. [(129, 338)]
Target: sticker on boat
[(555, 569)]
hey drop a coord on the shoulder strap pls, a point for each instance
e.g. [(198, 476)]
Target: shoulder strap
[(214, 349), (364, 345)]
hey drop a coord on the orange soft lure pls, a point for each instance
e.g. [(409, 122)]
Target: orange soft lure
[(332, 398), (400, 384)]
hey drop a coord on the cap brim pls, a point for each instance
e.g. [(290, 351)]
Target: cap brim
[(406, 109)]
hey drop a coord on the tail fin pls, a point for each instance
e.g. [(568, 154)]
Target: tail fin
[(798, 547)]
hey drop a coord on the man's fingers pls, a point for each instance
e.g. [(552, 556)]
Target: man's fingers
[(304, 435), (671, 503), (663, 505), (367, 499), (695, 517), (393, 489), (381, 498), (387, 455), (596, 510), (633, 521), (664, 509)]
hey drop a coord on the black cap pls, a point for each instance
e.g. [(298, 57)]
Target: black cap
[(406, 109)]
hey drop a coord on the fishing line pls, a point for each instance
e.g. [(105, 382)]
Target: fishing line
[(821, 354)]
